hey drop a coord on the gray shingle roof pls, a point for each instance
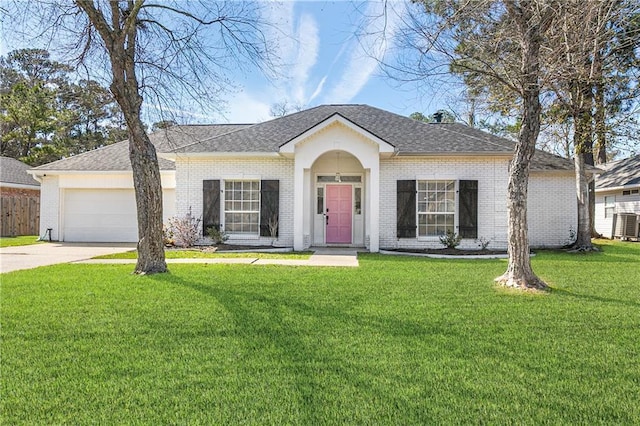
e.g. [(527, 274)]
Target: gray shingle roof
[(620, 173), (403, 133), (115, 157), (407, 136), (14, 171)]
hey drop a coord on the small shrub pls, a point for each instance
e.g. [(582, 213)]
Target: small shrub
[(216, 235), (273, 227), (450, 239), (184, 230), (483, 243), (573, 236), (167, 236)]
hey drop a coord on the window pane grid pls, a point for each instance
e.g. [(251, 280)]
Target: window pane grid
[(242, 207), (436, 207)]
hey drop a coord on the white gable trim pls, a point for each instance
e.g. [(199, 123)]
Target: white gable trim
[(289, 147)]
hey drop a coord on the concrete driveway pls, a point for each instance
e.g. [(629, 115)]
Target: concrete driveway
[(32, 256)]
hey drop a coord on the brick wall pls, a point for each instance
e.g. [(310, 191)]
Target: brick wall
[(491, 174), (191, 172), (552, 206), (49, 206), (552, 209)]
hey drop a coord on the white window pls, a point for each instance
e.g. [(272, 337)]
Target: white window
[(242, 207), (436, 207), (609, 205)]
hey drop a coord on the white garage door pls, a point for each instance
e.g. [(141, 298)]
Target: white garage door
[(100, 215)]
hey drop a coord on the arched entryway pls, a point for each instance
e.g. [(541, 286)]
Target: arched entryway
[(338, 212), (313, 153)]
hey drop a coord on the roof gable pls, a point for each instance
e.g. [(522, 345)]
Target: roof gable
[(289, 146)]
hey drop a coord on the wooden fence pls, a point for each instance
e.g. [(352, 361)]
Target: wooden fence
[(19, 216)]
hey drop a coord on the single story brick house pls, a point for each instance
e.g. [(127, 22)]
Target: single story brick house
[(333, 175), (618, 199)]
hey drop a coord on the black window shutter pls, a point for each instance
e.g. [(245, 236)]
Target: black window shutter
[(406, 209), (468, 197), (210, 205), (269, 207)]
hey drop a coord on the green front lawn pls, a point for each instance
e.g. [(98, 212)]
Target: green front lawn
[(399, 340), (23, 240)]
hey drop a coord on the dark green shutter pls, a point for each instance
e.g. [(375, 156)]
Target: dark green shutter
[(210, 205), (406, 209), (468, 198), (269, 207)]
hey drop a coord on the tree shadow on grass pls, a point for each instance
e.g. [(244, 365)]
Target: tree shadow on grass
[(299, 335), (591, 298)]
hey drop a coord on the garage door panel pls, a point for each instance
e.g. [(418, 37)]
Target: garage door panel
[(105, 215), (115, 235), (100, 215), (105, 219)]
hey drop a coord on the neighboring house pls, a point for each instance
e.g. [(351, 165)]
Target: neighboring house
[(19, 199), (344, 175), (618, 199)]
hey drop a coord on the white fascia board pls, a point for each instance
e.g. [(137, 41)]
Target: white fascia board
[(619, 188), (455, 154), (19, 185), (174, 156), (40, 173), (289, 147)]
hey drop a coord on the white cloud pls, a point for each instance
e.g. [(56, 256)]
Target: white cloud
[(244, 108), (307, 54), (296, 44), (366, 52), (318, 89)]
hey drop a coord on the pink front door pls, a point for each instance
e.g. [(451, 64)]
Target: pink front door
[(339, 214)]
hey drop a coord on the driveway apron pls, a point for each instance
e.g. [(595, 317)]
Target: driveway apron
[(33, 256)]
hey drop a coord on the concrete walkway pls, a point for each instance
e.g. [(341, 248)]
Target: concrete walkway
[(33, 256)]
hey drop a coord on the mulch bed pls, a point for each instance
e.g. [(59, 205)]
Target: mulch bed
[(222, 248), (444, 251), (450, 251)]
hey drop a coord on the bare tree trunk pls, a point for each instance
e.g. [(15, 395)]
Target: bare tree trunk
[(146, 181), (583, 234), (519, 272), (599, 119), (599, 154), (583, 145), (120, 43), (144, 164)]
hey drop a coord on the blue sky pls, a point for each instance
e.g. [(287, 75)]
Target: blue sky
[(325, 63)]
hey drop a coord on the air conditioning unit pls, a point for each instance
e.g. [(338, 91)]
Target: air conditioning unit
[(626, 225)]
